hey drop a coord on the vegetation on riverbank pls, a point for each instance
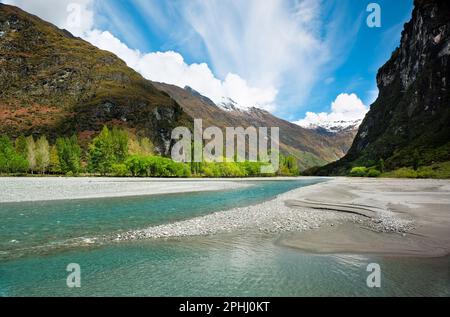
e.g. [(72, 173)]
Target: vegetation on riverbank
[(416, 169), (436, 171), (115, 152)]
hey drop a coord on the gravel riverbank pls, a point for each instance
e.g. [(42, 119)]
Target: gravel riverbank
[(22, 189), (276, 216), (395, 217)]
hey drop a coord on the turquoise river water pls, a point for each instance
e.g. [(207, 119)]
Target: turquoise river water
[(39, 239)]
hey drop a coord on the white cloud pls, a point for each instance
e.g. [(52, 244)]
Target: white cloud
[(255, 50), (170, 67), (73, 15), (346, 108), (284, 45), (274, 43)]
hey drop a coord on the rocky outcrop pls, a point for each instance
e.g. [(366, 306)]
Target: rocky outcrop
[(411, 116)]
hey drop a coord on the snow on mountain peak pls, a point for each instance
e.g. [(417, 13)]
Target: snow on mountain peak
[(335, 126)]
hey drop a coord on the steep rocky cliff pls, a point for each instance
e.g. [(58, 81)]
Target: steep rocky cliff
[(410, 120)]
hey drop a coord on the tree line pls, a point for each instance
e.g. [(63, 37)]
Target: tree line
[(37, 156), (114, 152)]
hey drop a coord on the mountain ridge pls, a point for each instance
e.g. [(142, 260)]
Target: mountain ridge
[(409, 124), (307, 145)]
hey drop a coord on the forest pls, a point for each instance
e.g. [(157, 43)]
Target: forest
[(114, 152)]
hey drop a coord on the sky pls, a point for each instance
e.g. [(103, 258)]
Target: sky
[(307, 61)]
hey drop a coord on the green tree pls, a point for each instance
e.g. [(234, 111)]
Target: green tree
[(197, 168), (54, 166), (21, 146), (147, 147), (134, 147), (42, 154), (31, 154), (10, 161), (102, 152), (4, 153), (136, 164), (69, 154), (288, 166), (373, 172), (139, 146), (292, 165), (252, 168), (381, 165), (120, 144)]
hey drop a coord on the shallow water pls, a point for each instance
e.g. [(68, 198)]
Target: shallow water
[(223, 265)]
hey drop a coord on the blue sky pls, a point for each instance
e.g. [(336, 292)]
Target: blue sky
[(288, 56)]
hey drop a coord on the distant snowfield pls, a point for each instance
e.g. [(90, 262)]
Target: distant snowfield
[(335, 126), (18, 189)]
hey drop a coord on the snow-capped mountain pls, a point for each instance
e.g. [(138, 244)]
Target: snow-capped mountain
[(228, 104), (335, 126), (310, 147)]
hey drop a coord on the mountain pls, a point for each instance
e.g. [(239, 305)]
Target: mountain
[(409, 123), (55, 84), (336, 126), (310, 147)]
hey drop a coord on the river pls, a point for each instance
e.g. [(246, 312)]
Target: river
[(39, 239)]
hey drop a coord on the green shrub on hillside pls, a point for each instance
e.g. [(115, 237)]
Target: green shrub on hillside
[(156, 166), (359, 171), (373, 173), (437, 171), (404, 172), (119, 170)]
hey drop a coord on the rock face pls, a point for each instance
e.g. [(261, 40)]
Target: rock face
[(412, 113)]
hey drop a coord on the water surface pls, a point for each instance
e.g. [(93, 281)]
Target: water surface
[(38, 241)]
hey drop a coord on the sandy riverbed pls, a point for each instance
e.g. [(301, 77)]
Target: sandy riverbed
[(426, 203)]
